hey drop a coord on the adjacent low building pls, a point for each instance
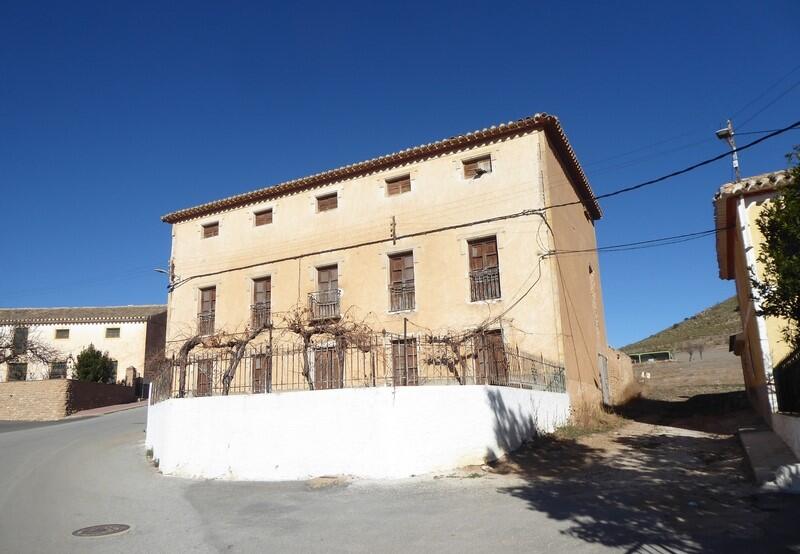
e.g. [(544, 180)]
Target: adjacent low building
[(133, 336)]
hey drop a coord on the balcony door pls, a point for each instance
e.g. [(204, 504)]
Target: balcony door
[(328, 372), (401, 275), (328, 278)]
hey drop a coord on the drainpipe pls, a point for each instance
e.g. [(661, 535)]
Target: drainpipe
[(761, 324)]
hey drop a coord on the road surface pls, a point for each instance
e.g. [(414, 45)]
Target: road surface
[(57, 478)]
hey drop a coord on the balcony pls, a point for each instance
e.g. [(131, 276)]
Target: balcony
[(260, 315), (324, 304), (205, 323), (401, 297), (484, 284)]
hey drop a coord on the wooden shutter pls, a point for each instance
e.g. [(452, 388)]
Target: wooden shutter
[(398, 185), (483, 254), (19, 343), (262, 290), (211, 230), (263, 217), (327, 202), (401, 268), (62, 333), (208, 300), (476, 166), (328, 278)]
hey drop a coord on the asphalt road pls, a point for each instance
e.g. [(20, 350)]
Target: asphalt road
[(645, 490), (62, 477)]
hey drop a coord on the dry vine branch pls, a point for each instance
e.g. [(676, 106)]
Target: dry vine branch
[(32, 349)]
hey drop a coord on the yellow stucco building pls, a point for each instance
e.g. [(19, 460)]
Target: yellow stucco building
[(737, 207), (435, 239)]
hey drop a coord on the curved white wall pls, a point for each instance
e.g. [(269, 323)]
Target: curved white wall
[(370, 432)]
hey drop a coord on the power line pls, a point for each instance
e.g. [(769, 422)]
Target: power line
[(681, 171), (769, 104), (651, 243), (764, 93)]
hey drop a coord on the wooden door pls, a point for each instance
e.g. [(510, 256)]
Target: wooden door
[(262, 373), (401, 276), (491, 367), (327, 369), (404, 362), (204, 378)]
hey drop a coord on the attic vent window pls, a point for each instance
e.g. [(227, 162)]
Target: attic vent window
[(264, 217), (210, 230), (475, 167), (398, 185), (327, 202)]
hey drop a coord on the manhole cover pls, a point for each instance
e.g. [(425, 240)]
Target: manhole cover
[(102, 530)]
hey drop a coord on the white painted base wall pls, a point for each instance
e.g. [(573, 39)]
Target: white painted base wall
[(370, 432), (788, 429)]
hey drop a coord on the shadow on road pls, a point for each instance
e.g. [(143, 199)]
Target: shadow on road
[(650, 488)]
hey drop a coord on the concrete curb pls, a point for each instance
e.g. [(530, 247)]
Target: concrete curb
[(775, 468)]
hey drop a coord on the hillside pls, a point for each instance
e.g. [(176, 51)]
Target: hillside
[(712, 326)]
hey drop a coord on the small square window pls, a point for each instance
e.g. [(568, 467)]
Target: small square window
[(58, 370), (62, 333), (264, 217), (327, 202), (211, 230), (475, 167), (112, 332), (398, 185)]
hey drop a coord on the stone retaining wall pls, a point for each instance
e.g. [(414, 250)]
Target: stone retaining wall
[(57, 398)]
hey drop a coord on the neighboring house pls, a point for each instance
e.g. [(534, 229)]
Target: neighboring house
[(445, 236), (132, 336), (737, 207)]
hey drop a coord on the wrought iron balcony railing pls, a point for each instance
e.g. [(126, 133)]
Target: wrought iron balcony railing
[(401, 297), (484, 284), (260, 315), (205, 323), (324, 304)]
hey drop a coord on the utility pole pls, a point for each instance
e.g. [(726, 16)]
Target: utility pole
[(726, 134)]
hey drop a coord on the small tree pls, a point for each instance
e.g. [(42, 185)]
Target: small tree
[(779, 222), (96, 366)]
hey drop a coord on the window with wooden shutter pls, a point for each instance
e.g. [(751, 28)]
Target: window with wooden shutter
[(262, 302), (264, 217), (324, 302), (112, 332), (208, 308), (58, 370), (475, 167), (327, 202), (210, 230), (17, 372), (401, 282), (484, 271), (19, 344), (62, 333), (398, 185)]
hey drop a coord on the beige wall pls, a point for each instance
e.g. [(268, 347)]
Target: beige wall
[(128, 349), (576, 279), (440, 197), (753, 366), (54, 399)]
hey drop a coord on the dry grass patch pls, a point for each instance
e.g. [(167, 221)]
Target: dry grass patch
[(586, 419)]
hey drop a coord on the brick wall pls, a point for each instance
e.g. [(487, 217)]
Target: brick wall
[(56, 398), (83, 395)]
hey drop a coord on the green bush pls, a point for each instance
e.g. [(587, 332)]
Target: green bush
[(93, 365)]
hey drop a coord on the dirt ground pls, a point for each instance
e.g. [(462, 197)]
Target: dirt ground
[(671, 478)]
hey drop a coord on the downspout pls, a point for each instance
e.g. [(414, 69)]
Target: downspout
[(761, 324)]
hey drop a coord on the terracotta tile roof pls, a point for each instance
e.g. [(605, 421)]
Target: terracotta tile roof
[(110, 314), (548, 123)]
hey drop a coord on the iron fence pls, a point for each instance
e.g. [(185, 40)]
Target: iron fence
[(380, 361), (205, 323), (324, 304), (260, 315), (786, 377), (484, 284), (401, 297)]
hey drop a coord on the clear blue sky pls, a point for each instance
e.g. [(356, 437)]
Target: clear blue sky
[(112, 114)]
